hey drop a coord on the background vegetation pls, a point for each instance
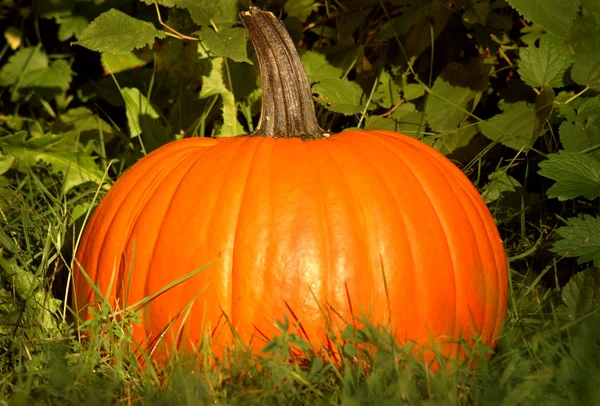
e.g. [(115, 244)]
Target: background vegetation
[(509, 90)]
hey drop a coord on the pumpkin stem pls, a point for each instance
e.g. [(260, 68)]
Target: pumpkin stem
[(287, 104)]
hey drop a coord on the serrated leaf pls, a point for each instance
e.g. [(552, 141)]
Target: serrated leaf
[(413, 91), (118, 33), (340, 96), (318, 68), (387, 92), (545, 64), (380, 123), (71, 26), (577, 137), (584, 40), (118, 63), (586, 71), (581, 239), (228, 43), (575, 175), (448, 105), (76, 167), (517, 127), (408, 119), (300, 9), (555, 15), (458, 141), (581, 294), (499, 182), (144, 121), (215, 85), (205, 11), (80, 123), (51, 81), (431, 18), (589, 108), (21, 64), (477, 12)]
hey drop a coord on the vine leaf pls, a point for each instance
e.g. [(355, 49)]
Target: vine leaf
[(340, 95), (581, 239), (545, 64), (518, 127), (59, 152), (117, 33), (575, 174), (556, 16), (228, 42), (214, 85)]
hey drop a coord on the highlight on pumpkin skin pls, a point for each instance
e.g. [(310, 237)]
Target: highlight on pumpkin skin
[(295, 223)]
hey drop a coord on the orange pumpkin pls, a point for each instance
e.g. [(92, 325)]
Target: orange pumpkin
[(296, 222)]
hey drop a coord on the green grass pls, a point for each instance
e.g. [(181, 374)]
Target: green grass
[(543, 356)]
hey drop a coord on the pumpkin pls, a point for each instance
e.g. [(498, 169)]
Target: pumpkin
[(293, 222)]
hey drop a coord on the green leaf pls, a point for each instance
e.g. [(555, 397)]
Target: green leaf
[(380, 123), (28, 70), (477, 12), (340, 96), (517, 127), (5, 163), (50, 81), (579, 136), (448, 105), (459, 140), (82, 124), (408, 119), (76, 167), (581, 239), (144, 121), (589, 108), (205, 11), (166, 3), (387, 92), (499, 182), (300, 9), (118, 63), (228, 42), (215, 85), (350, 350), (405, 118), (581, 294), (556, 16), (318, 67), (413, 91), (117, 33), (71, 26), (575, 175), (544, 104), (584, 40), (21, 64), (545, 64), (586, 71)]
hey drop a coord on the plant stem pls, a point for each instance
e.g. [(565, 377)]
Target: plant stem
[(287, 104)]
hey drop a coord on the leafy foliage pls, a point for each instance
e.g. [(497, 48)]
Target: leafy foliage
[(509, 90), (118, 33), (576, 175), (581, 239)]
